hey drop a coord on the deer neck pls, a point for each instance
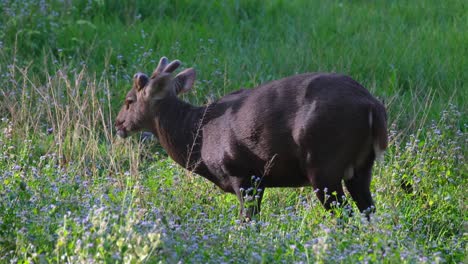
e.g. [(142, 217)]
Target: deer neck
[(178, 127)]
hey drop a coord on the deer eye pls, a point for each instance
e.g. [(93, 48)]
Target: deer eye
[(128, 102)]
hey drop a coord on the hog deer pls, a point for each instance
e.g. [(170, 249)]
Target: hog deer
[(313, 129)]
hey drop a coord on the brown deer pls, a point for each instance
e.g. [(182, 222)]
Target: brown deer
[(313, 129)]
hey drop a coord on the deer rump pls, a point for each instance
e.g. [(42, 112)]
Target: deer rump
[(309, 129)]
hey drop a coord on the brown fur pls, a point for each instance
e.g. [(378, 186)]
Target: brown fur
[(308, 129)]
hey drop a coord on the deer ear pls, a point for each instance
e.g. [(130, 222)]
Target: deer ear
[(159, 86), (184, 81), (139, 81)]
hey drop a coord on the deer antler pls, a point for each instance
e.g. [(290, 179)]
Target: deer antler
[(161, 65), (172, 66), (165, 66)]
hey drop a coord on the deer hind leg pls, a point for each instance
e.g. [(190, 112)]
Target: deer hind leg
[(359, 186)]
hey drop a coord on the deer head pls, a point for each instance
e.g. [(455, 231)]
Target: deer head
[(138, 111)]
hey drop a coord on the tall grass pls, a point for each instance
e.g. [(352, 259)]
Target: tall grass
[(70, 191)]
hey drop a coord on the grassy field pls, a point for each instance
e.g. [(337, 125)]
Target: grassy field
[(71, 191)]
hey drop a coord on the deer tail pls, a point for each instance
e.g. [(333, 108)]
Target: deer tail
[(378, 124)]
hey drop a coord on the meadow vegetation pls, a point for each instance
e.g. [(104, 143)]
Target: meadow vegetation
[(71, 191)]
